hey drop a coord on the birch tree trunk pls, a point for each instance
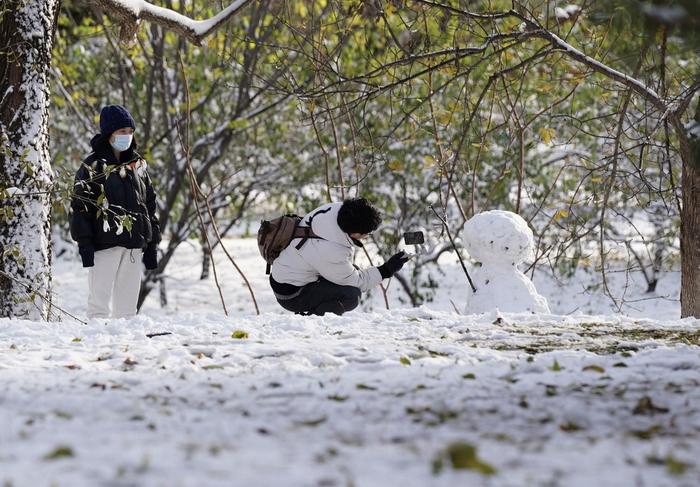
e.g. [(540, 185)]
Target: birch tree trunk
[(26, 38)]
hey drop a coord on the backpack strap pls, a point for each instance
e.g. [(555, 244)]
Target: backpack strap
[(306, 233)]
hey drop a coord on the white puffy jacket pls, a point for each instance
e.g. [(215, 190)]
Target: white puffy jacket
[(329, 256)]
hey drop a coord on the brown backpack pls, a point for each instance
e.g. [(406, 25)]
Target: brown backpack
[(275, 235)]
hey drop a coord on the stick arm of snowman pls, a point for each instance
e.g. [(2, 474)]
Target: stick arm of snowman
[(449, 235)]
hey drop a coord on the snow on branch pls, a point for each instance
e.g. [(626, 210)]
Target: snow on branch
[(535, 29), (129, 14), (605, 70)]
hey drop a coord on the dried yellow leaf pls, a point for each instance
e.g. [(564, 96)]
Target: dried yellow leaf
[(547, 134)]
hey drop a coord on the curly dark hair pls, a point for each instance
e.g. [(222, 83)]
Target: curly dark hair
[(357, 215)]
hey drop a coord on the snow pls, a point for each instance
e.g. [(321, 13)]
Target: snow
[(500, 241), (602, 67), (199, 27), (372, 398), (496, 236), (327, 401), (693, 129), (667, 14), (29, 151), (567, 12)]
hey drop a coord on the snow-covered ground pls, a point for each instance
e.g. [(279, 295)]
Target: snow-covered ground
[(411, 397)]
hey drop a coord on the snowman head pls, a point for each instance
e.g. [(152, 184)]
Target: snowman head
[(498, 238)]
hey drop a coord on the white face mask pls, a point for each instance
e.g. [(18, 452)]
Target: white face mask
[(122, 142)]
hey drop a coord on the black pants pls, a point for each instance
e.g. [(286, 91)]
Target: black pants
[(322, 297)]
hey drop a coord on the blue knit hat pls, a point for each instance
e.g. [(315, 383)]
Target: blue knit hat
[(115, 117)]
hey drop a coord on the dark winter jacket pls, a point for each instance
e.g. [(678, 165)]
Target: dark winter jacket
[(107, 189)]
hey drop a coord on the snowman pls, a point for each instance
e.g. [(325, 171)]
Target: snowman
[(501, 241)]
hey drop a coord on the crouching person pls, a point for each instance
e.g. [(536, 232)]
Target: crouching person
[(315, 275)]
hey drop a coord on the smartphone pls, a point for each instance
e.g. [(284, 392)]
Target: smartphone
[(413, 238)]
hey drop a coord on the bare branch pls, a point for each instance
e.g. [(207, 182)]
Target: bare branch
[(471, 15)]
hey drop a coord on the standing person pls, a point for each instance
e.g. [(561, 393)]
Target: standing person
[(114, 217), (316, 275)]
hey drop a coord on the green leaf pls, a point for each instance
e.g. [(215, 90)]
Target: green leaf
[(212, 367), (338, 398), (469, 376), (594, 368), (395, 166), (435, 353), (238, 124), (313, 422), (438, 465), (76, 340), (59, 452), (405, 361), (365, 387), (569, 427), (647, 434), (239, 334), (555, 366), (676, 467), (63, 415), (128, 222), (463, 456)]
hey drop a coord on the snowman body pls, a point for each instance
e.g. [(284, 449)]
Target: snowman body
[(500, 241)]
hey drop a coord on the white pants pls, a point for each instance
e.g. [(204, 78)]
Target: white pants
[(116, 277)]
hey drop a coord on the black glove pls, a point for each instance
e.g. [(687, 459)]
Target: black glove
[(150, 256), (87, 254), (393, 265)]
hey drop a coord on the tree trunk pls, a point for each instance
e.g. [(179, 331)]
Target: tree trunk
[(206, 263), (690, 235), (207, 239), (163, 292), (26, 38)]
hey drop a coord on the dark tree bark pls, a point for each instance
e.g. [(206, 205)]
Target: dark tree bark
[(690, 223), (26, 38)]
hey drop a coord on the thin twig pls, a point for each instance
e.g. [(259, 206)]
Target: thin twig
[(381, 284), (215, 227), (193, 183), (42, 296), (449, 235)]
